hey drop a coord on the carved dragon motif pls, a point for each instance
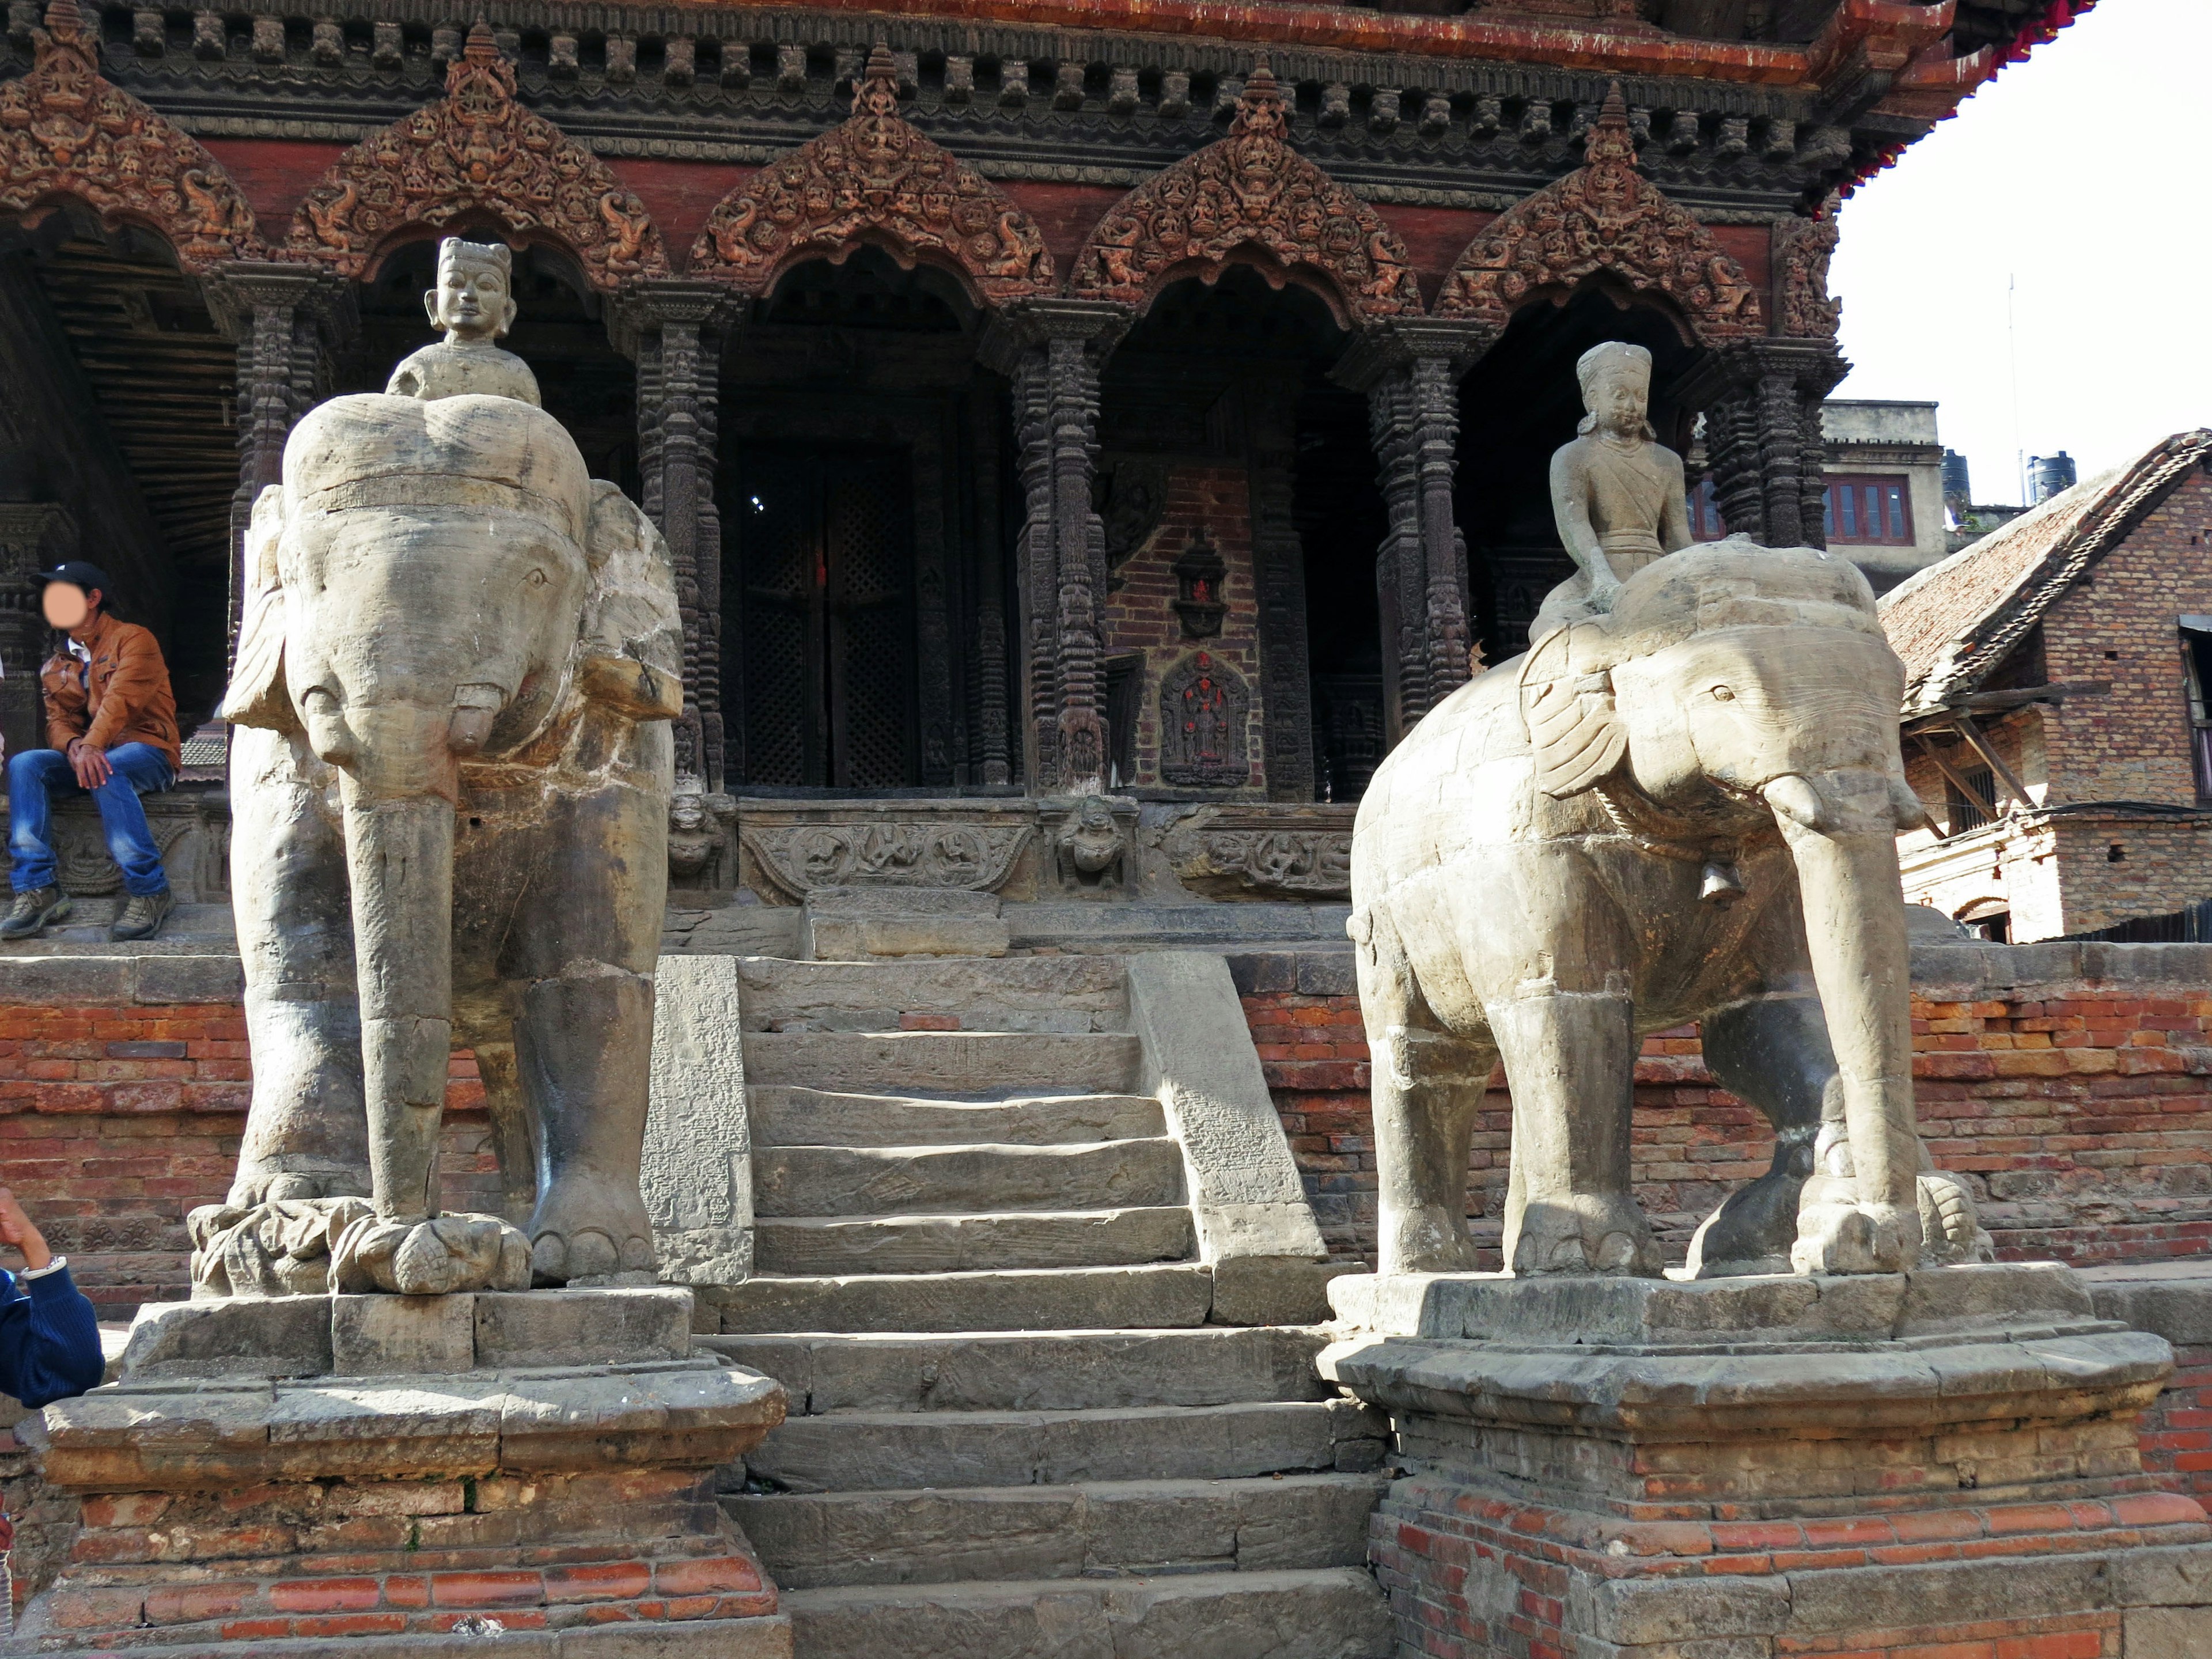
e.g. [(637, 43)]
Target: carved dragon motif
[(875, 178), (1603, 219), (476, 151)]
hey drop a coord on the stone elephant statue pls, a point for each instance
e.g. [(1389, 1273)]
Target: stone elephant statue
[(450, 769), (1682, 810)]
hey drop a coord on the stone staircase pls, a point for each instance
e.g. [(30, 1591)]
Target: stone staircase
[(1014, 1433)]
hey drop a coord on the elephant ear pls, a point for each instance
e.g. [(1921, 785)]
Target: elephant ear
[(1574, 728), (258, 694)]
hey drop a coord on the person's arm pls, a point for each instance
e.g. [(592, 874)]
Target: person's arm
[(1675, 519), (49, 1335), (64, 700), (1570, 513), (139, 674)]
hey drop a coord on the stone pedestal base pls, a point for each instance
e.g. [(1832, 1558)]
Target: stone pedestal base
[(239, 1494), (868, 924), (1940, 1464)]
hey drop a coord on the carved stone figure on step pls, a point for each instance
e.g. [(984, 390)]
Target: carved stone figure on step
[(1683, 810), (450, 780), (1617, 494)]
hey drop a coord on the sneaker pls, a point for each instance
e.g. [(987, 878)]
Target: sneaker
[(142, 917), (33, 911)]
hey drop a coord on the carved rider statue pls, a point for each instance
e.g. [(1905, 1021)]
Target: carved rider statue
[(474, 303), (1617, 494)]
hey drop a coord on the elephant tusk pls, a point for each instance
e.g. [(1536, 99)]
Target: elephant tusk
[(1797, 800), (1907, 806)]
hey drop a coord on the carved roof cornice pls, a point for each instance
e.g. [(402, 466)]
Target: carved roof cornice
[(876, 179), (1249, 190), (1604, 221), (66, 131), (477, 152)]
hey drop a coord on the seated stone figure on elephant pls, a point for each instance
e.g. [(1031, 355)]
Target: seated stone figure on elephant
[(450, 769), (1682, 809)]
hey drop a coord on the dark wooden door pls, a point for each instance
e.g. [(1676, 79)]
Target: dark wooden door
[(825, 554)]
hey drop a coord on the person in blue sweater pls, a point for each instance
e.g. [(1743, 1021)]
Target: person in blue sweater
[(48, 1340)]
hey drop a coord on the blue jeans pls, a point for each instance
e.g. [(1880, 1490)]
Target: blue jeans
[(37, 775)]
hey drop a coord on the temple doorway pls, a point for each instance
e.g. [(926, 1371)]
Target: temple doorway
[(825, 550)]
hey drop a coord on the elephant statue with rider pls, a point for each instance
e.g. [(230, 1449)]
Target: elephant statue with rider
[(1680, 806), (451, 768)]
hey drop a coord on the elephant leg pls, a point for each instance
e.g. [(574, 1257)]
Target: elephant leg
[(511, 1139), (1772, 1050), (1570, 1058), (1428, 1088), (307, 1130)]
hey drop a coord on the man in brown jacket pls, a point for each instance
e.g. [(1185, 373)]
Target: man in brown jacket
[(112, 723)]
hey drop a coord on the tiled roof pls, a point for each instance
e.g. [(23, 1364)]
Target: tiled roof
[(1954, 622)]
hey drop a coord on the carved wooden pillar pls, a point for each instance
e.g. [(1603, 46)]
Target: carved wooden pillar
[(289, 322), (1762, 400), (1410, 370), (1053, 351), (989, 752), (1279, 570), (35, 536), (677, 331)]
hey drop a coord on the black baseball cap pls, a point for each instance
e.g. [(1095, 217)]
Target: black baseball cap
[(79, 573)]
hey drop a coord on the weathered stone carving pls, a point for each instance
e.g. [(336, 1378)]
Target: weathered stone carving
[(699, 835), (1249, 189), (876, 177), (1203, 740), (1803, 249), (1264, 853), (1091, 845), (450, 785), (65, 131), (477, 151), (801, 858), (1617, 492), (1603, 220), (1685, 810)]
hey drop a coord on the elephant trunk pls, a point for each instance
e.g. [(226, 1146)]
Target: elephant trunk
[(399, 853), (1841, 832)]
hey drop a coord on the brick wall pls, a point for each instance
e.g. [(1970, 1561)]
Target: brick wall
[(2177, 1431), (1140, 615), (2070, 1084)]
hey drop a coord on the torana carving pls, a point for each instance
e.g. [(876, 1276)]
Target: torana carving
[(65, 131), (1249, 188), (1203, 744), (1802, 248), (1603, 219), (799, 858), (477, 151), (874, 178)]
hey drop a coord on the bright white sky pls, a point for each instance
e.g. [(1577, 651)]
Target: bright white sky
[(2079, 173)]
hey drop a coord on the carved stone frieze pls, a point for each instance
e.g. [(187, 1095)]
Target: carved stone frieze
[(874, 178), (798, 858), (1260, 852), (1802, 248), (190, 826), (1249, 189), (477, 151), (1603, 220), (1204, 744), (65, 131)]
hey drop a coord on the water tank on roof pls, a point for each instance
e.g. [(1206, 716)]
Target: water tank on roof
[(2049, 475), (1957, 486)]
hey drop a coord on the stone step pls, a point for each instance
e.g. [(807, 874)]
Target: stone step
[(1017, 1299), (783, 1115), (884, 1180), (978, 1063), (835, 994), (879, 1451), (1035, 1371), (970, 1243), (1330, 1612), (811, 1539)]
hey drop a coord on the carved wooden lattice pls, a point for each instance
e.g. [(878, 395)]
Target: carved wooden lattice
[(1249, 189), (476, 151), (1604, 219), (877, 179), (65, 131)]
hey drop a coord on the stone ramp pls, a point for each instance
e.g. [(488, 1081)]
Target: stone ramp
[(1017, 1427)]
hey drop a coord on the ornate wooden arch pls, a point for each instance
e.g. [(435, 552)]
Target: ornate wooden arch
[(1604, 219), (875, 178), (1249, 189), (65, 131), (476, 151)]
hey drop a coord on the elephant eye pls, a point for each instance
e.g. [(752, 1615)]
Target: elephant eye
[(1722, 693), (536, 578)]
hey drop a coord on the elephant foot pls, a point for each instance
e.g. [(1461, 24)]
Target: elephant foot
[(414, 1255), (1426, 1240), (587, 1231), (1587, 1233), (1838, 1233), (270, 1186)]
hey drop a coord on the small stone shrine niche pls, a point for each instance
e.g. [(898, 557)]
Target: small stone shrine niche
[(1203, 704), (1199, 575)]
